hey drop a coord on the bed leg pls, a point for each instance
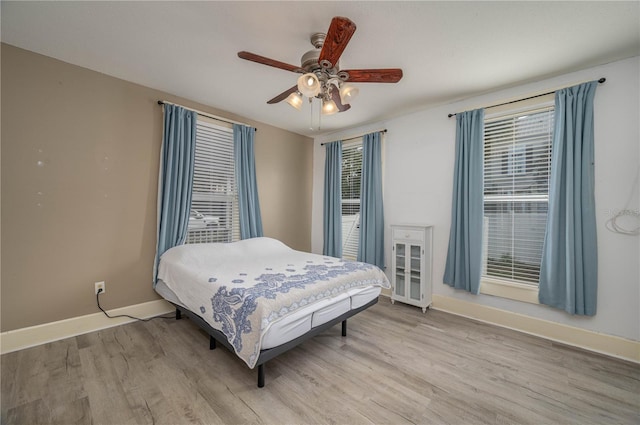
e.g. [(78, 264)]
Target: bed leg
[(261, 375), (178, 314), (212, 343), (344, 327)]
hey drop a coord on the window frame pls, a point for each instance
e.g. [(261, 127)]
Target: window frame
[(490, 285), (211, 231), (352, 145)]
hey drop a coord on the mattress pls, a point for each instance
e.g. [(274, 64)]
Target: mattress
[(303, 320)]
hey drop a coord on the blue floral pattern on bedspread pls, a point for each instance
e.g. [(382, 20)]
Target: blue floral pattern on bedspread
[(233, 306)]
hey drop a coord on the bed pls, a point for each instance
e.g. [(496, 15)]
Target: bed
[(260, 298)]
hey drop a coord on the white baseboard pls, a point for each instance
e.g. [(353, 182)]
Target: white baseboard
[(41, 334), (609, 345), (593, 341)]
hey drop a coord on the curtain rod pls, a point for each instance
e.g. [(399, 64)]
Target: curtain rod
[(384, 130), (601, 80), (204, 114)]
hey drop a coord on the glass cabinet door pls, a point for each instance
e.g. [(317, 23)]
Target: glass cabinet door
[(414, 272), (400, 270)]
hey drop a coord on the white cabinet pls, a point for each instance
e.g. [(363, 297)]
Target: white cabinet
[(411, 264)]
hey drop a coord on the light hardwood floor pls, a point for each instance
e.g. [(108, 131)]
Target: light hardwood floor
[(396, 366)]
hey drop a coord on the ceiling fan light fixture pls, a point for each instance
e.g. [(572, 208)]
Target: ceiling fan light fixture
[(309, 85), (329, 107), (295, 100), (322, 77), (348, 93)]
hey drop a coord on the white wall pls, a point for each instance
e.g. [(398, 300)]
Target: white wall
[(418, 165)]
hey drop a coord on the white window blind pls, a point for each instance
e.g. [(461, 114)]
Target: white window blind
[(351, 176), (214, 204), (517, 160)]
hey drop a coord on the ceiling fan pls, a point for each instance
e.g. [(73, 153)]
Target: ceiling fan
[(322, 77)]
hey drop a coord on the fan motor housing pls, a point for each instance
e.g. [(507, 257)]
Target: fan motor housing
[(310, 60)]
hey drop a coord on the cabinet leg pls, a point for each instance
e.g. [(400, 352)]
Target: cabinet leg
[(424, 310), (393, 301)]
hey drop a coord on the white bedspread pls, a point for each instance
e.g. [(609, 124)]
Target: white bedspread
[(241, 288)]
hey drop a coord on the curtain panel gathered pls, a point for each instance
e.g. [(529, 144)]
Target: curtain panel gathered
[(332, 207), (248, 203), (371, 243), (464, 256), (569, 268), (175, 179)]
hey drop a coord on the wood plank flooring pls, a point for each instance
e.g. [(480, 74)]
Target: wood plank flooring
[(396, 366)]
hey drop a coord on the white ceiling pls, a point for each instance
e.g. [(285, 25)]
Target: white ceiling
[(448, 50)]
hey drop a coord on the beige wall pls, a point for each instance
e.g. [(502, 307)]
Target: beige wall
[(79, 170)]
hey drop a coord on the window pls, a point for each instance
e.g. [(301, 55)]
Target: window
[(214, 204), (350, 181), (517, 162)]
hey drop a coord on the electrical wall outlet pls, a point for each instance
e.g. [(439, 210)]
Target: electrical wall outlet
[(100, 285)]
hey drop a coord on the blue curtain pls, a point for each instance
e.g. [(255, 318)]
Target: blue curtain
[(332, 213), (250, 218), (175, 179), (569, 267), (371, 243), (464, 256)]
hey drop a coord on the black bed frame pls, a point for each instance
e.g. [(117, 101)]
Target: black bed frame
[(268, 354)]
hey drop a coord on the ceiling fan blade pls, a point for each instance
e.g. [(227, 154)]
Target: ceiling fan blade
[(339, 34), (282, 96), (391, 75), (271, 62), (335, 96)]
